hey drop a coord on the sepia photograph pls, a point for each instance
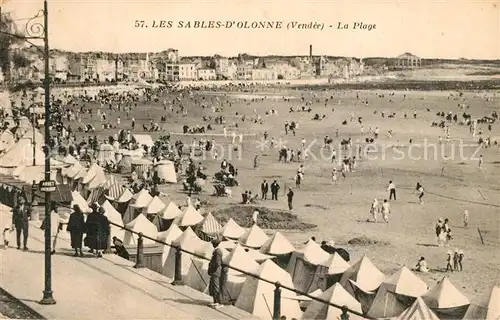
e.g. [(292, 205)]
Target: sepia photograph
[(232, 159)]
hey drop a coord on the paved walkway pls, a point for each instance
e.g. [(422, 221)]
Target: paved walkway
[(91, 288)]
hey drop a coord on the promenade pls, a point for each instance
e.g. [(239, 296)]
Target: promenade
[(92, 288)]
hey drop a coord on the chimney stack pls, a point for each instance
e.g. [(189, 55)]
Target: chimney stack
[(310, 51)]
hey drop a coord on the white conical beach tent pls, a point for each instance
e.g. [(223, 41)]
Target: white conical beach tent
[(277, 245), (80, 201), (418, 311), (311, 253), (306, 265), (387, 304), (188, 241), (337, 295), (258, 256), (257, 296), (232, 230), (93, 171), (364, 275), (241, 259), (405, 282), (98, 180), (141, 199), (126, 196), (445, 295), (336, 264), (494, 304), (314, 254), (110, 212), (190, 217), (154, 206), (140, 224), (115, 217), (173, 233), (72, 171), (228, 245), (254, 237), (171, 212)]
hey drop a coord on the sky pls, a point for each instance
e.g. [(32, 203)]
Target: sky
[(429, 29)]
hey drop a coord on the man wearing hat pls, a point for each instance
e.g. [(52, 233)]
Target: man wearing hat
[(218, 275), (20, 217)]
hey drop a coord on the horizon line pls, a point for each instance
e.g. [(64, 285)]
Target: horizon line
[(276, 55)]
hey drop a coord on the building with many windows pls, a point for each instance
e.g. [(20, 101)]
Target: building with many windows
[(206, 74), (187, 71)]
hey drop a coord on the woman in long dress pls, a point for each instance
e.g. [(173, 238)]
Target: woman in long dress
[(76, 229), (374, 210)]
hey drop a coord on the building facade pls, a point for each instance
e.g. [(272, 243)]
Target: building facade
[(407, 61), (206, 74), (263, 74), (187, 71)]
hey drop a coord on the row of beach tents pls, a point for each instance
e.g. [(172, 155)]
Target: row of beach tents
[(361, 286)]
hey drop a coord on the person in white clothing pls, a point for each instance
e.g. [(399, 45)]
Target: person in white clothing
[(386, 210), (255, 216), (374, 210)]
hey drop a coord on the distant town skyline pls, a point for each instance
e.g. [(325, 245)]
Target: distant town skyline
[(448, 30)]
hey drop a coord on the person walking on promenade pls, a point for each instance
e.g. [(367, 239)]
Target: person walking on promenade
[(76, 229), (91, 229), (97, 228), (20, 217), (215, 272), (56, 226)]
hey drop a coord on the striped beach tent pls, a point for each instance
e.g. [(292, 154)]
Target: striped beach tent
[(113, 188), (418, 311), (96, 195), (209, 228)]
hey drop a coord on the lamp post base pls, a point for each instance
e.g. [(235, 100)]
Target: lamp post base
[(177, 283), (47, 298)]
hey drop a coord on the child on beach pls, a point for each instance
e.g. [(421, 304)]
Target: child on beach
[(6, 236)]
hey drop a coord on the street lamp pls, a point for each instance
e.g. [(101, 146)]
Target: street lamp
[(33, 140), (37, 31)]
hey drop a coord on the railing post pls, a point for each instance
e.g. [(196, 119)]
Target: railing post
[(178, 267), (140, 252), (108, 245), (277, 302)]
